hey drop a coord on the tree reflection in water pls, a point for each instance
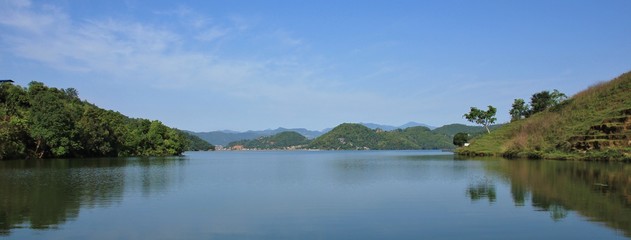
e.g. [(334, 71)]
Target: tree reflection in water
[(43, 194), (480, 189), (599, 191)]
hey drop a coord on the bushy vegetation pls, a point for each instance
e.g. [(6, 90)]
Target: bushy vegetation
[(571, 129), (45, 122), (460, 139), (539, 102)]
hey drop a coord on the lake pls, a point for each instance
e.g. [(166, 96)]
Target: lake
[(314, 195)]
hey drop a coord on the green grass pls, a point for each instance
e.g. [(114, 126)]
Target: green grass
[(548, 134)]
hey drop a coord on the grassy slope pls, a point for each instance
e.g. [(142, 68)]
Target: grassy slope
[(548, 134)]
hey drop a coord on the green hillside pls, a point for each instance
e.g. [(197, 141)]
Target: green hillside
[(195, 143), (283, 140), (345, 137), (595, 124), (45, 122), (425, 138), (350, 136)]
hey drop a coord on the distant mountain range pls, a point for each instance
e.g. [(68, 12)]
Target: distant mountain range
[(356, 136), (390, 128), (225, 137)]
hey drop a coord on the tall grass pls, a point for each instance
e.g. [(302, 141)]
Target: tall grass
[(546, 134)]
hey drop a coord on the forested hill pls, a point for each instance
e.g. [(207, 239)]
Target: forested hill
[(283, 140), (226, 137), (350, 136), (46, 122)]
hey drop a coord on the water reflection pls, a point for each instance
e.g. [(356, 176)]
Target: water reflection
[(347, 195), (42, 194), (482, 188), (599, 191), (380, 166)]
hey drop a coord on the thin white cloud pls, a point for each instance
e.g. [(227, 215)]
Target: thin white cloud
[(21, 15), (131, 51), (161, 57)]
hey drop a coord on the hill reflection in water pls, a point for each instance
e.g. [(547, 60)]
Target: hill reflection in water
[(42, 194)]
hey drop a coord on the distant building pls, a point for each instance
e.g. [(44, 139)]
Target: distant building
[(6, 81)]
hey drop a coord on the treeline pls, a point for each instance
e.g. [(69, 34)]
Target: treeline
[(46, 122)]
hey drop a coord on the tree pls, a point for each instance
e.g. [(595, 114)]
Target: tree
[(485, 118), (545, 99), (540, 101), (41, 121), (520, 110), (460, 139), (557, 97), (51, 122)]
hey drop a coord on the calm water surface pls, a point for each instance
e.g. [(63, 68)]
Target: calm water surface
[(314, 195)]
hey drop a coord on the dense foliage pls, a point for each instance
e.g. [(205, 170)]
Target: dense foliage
[(519, 110), (349, 136), (45, 122), (460, 139), (283, 140), (543, 100)]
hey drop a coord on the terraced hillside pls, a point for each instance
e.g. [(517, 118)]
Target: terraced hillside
[(594, 124), (612, 133)]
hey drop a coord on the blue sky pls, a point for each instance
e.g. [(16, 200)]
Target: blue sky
[(252, 65)]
